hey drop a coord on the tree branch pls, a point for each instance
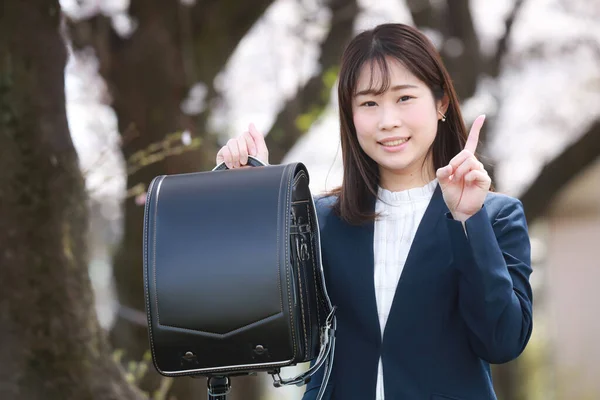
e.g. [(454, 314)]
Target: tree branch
[(560, 171), (494, 66), (466, 67), (298, 113), (460, 47), (213, 44)]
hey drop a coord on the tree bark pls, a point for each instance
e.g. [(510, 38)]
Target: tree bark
[(52, 344)]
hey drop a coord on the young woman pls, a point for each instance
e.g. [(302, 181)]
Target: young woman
[(428, 268)]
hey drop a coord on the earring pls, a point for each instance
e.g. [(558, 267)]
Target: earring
[(443, 116)]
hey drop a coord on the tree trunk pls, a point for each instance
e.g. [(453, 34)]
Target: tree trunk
[(52, 344)]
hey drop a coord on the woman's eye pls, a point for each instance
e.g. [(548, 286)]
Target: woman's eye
[(404, 98), (369, 104)]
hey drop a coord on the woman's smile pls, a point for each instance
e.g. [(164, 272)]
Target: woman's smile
[(394, 144)]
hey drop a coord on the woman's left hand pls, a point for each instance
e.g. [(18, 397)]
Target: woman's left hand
[(464, 182)]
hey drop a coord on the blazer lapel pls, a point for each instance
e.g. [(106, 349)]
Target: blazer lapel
[(365, 277), (354, 274), (430, 242)]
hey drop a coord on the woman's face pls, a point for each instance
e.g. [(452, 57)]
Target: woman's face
[(396, 128)]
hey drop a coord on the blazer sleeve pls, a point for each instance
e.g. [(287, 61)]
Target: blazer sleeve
[(495, 296)]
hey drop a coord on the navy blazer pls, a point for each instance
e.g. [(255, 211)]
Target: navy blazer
[(463, 301)]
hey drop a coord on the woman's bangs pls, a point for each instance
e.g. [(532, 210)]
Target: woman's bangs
[(379, 75)]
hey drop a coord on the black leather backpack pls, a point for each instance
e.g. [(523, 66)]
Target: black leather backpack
[(233, 276)]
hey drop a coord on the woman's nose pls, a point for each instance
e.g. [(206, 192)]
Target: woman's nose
[(389, 119)]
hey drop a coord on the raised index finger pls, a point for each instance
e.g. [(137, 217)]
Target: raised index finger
[(473, 138)]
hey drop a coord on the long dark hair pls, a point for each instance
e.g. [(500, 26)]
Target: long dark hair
[(410, 47)]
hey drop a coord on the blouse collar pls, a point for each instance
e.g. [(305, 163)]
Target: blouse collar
[(409, 195)]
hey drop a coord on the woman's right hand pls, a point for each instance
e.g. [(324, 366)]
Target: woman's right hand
[(235, 153)]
